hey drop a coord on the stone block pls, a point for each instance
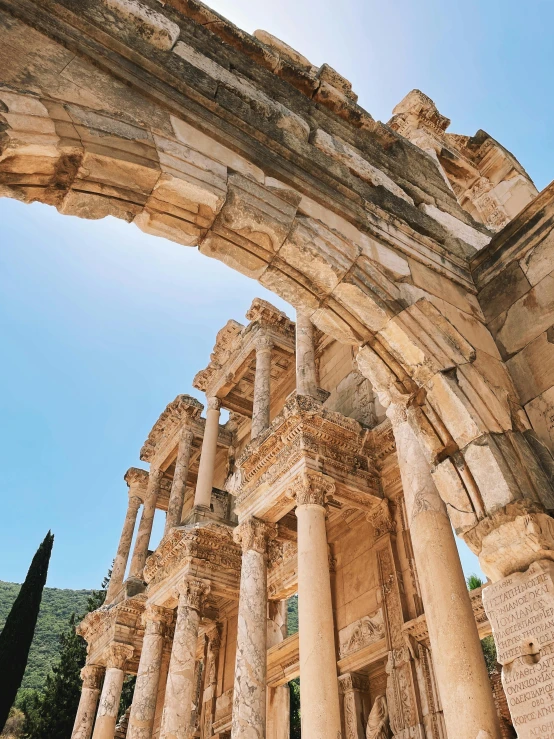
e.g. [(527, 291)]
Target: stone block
[(442, 287), (532, 369), (153, 27), (457, 228), (539, 262), (541, 414), (528, 317), (503, 290)]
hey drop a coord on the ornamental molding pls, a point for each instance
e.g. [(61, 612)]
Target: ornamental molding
[(381, 519), (212, 544), (353, 681), (311, 488), (182, 411), (101, 624), (305, 428)]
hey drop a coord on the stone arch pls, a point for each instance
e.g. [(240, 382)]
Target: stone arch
[(363, 251)]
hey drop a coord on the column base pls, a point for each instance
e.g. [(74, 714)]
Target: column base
[(203, 514)]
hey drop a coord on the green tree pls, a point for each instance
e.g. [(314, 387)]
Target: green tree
[(17, 634), (294, 687), (473, 582), (487, 644), (50, 714)]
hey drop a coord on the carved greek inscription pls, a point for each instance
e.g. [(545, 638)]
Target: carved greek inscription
[(521, 612)]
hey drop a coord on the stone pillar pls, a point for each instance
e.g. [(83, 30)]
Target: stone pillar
[(180, 678), (262, 382), (120, 561), (249, 695), (278, 699), (319, 695), (88, 702), (306, 378), (462, 678), (352, 686), (204, 483), (146, 522), (106, 718), (143, 708), (177, 495)]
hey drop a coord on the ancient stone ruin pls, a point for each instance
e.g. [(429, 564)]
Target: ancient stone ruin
[(412, 398)]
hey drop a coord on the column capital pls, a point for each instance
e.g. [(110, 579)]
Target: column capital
[(213, 403), (193, 591), (155, 619), (135, 501), (352, 681), (312, 488), (118, 655), (263, 343), (381, 520), (91, 675), (254, 534)]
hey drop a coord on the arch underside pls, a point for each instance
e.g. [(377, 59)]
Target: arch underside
[(161, 123)]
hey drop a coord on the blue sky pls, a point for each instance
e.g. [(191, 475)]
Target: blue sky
[(102, 325)]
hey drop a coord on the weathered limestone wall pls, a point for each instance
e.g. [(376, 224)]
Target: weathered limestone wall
[(515, 277)]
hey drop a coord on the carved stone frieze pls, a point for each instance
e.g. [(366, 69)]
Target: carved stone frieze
[(363, 632), (212, 544), (184, 409), (381, 519)]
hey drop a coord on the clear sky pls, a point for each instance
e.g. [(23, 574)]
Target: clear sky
[(102, 325)]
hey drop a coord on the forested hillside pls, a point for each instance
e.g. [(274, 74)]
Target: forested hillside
[(55, 610)]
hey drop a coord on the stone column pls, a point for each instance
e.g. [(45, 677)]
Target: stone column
[(88, 702), (462, 678), (204, 483), (106, 718), (143, 708), (262, 382), (278, 699), (319, 693), (306, 377), (177, 495), (146, 521), (180, 678), (120, 561), (352, 686), (249, 695)]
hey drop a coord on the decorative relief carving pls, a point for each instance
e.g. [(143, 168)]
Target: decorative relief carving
[(213, 403), (183, 409), (254, 534), (361, 633)]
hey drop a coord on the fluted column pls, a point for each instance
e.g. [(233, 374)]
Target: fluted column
[(306, 376), (108, 707), (178, 487), (122, 556), (146, 522), (143, 708), (262, 383), (204, 484), (462, 678), (180, 678), (319, 695), (249, 695), (88, 702)]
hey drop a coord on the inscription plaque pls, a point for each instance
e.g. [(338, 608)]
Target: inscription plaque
[(520, 609)]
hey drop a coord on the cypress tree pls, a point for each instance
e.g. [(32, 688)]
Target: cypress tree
[(50, 714), (17, 635)]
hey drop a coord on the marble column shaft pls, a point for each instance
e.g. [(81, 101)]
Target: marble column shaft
[(108, 707), (262, 386), (250, 688), (180, 678), (319, 695), (122, 556), (143, 708), (278, 699), (88, 702), (306, 376), (464, 687), (204, 483), (179, 485), (146, 522)]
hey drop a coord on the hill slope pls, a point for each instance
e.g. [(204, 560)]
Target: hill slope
[(55, 610)]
